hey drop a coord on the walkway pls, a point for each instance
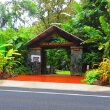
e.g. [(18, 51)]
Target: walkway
[(49, 78), (53, 86), (73, 83)]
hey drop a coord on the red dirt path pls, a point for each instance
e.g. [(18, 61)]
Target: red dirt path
[(49, 78)]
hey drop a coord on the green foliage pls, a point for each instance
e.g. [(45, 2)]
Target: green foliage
[(12, 12), (104, 68), (108, 6), (89, 24), (58, 58), (91, 58), (22, 69), (102, 73), (91, 76), (23, 34), (29, 6), (18, 39), (78, 7), (57, 38), (100, 37), (8, 62), (52, 12), (104, 25)]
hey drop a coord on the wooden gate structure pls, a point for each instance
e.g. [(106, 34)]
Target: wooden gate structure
[(49, 39)]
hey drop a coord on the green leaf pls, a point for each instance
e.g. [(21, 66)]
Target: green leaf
[(10, 41), (78, 7), (10, 53), (105, 26), (5, 45), (101, 47), (18, 45)]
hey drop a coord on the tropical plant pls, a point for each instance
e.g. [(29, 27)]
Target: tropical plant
[(102, 74), (7, 61), (87, 18), (100, 36), (87, 13), (15, 37), (91, 76), (22, 69), (18, 39), (104, 69), (76, 23), (91, 58)]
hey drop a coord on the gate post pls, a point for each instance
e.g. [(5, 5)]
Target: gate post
[(34, 60), (76, 60)]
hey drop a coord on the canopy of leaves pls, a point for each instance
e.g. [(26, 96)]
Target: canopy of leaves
[(86, 14), (13, 13), (53, 12), (89, 24)]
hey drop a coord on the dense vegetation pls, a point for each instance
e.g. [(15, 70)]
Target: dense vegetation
[(21, 20)]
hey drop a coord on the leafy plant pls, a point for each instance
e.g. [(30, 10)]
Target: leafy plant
[(18, 39), (91, 76), (91, 58), (102, 73), (22, 70), (89, 24), (58, 58), (100, 36), (7, 62), (104, 68)]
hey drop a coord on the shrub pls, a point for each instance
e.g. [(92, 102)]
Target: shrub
[(91, 76), (8, 61), (102, 73), (104, 69), (22, 70)]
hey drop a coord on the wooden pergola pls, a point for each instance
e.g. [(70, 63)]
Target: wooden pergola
[(37, 47)]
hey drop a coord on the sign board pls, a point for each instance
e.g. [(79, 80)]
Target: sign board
[(35, 58), (76, 49), (49, 44)]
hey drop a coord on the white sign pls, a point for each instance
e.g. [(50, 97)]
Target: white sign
[(35, 58), (48, 66)]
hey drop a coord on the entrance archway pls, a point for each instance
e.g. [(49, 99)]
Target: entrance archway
[(55, 60), (54, 37)]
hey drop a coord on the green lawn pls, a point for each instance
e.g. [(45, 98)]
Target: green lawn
[(63, 72)]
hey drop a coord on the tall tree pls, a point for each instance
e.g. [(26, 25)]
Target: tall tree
[(52, 11), (87, 13), (13, 13), (101, 38)]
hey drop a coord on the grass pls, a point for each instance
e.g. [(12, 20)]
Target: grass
[(60, 72)]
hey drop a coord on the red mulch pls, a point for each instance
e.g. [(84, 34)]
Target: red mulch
[(49, 78)]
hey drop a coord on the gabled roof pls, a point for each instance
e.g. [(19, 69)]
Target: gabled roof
[(47, 34)]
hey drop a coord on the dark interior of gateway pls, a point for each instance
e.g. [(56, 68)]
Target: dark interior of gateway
[(55, 60)]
